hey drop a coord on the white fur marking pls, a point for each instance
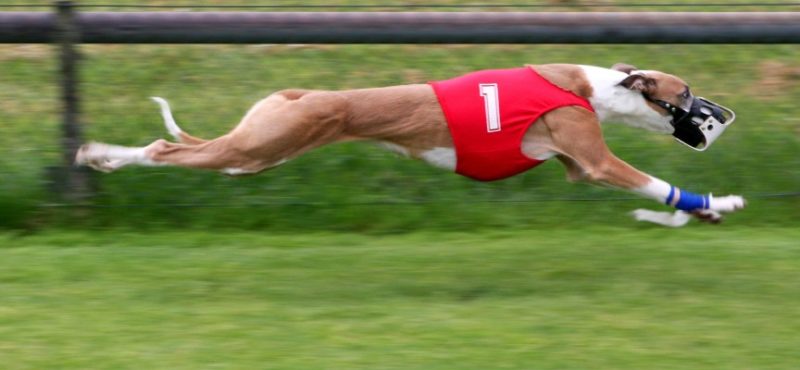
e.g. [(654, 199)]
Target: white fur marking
[(677, 219), (107, 158), (440, 157), (399, 149), (545, 155), (169, 121), (728, 203), (613, 103), (656, 189), (235, 171), (278, 163)]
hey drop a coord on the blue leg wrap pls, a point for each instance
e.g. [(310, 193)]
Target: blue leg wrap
[(687, 201)]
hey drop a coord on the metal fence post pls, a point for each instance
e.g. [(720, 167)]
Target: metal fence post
[(73, 184)]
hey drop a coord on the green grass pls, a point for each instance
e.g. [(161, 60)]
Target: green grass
[(338, 187), (205, 86), (147, 280), (594, 298)]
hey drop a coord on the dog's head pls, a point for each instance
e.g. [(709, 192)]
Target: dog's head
[(693, 121)]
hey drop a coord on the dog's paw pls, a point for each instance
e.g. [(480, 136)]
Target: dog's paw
[(82, 156), (89, 153), (93, 155), (676, 219), (728, 203), (707, 215)]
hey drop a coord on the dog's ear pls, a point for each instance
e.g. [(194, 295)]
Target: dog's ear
[(624, 68), (640, 83)]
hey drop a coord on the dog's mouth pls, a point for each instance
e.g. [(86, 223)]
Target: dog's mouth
[(698, 122)]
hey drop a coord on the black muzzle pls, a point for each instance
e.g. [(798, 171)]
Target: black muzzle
[(700, 125)]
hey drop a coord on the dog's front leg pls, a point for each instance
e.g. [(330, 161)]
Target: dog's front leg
[(575, 133), (707, 208)]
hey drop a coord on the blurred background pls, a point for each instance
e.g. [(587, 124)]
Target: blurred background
[(352, 257), (361, 187)]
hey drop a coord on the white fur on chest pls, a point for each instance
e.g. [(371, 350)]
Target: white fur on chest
[(440, 157), (614, 103), (399, 149)]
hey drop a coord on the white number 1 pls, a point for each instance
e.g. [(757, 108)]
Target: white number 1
[(492, 103)]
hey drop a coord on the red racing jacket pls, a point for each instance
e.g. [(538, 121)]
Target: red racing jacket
[(488, 113)]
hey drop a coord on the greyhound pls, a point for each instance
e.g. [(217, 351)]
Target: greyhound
[(486, 125)]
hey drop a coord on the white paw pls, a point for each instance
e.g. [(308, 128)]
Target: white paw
[(81, 157), (95, 155), (89, 152), (676, 219), (728, 203)]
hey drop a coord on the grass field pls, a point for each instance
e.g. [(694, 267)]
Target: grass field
[(350, 258), (337, 187), (594, 298), (205, 86)]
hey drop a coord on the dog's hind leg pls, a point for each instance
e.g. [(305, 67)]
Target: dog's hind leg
[(278, 128)]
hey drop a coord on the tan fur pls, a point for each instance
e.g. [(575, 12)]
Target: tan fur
[(282, 126), (288, 123), (664, 87), (408, 115), (567, 76), (574, 133)]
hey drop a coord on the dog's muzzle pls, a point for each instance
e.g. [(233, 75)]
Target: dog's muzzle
[(699, 122)]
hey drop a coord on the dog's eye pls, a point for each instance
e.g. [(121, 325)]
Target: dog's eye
[(686, 94)]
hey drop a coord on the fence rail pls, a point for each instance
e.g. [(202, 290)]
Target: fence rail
[(408, 27)]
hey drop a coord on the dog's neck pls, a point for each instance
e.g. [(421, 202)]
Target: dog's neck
[(611, 102), (614, 103)]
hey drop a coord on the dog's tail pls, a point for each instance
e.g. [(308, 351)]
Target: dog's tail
[(172, 127)]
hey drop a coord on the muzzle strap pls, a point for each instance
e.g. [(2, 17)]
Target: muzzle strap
[(700, 125)]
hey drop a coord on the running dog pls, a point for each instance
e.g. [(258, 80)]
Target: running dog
[(486, 125)]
